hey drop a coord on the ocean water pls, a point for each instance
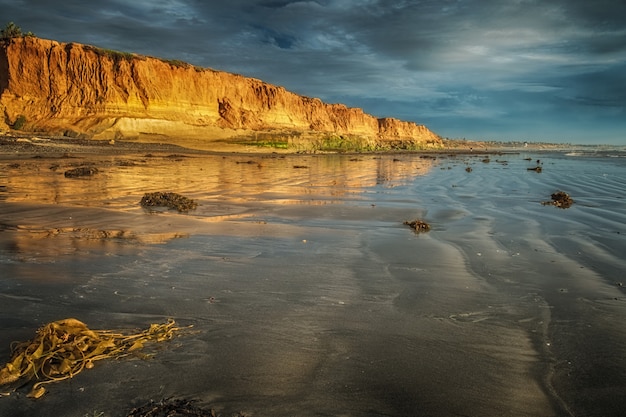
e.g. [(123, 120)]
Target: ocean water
[(308, 295)]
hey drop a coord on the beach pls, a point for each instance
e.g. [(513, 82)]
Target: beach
[(307, 294)]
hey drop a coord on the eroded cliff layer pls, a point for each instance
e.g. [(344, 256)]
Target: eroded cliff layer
[(79, 89)]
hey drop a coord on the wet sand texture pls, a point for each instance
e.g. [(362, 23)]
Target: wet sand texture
[(309, 294)]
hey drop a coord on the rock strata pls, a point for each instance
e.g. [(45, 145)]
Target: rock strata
[(79, 90)]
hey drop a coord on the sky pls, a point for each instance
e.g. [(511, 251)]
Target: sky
[(505, 70)]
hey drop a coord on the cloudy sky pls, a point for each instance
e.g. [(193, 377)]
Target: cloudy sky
[(538, 70)]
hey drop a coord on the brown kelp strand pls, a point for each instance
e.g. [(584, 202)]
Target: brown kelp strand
[(169, 200), (63, 348)]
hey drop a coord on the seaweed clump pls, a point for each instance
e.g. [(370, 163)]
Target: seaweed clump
[(169, 407), (418, 225), (560, 199), (169, 200), (81, 172), (62, 349)]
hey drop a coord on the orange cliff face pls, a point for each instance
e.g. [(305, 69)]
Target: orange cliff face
[(78, 89)]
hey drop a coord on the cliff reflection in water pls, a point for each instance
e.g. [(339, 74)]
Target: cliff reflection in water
[(121, 182), (44, 215)]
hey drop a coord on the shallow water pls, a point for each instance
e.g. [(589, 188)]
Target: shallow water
[(308, 295)]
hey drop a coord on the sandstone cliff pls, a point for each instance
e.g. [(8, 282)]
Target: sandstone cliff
[(82, 90)]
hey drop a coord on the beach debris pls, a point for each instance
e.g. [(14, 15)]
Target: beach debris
[(418, 225), (169, 200), (81, 172), (560, 199), (537, 168), (169, 407), (63, 348), (124, 163)]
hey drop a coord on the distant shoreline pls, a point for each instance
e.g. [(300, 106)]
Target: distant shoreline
[(25, 145)]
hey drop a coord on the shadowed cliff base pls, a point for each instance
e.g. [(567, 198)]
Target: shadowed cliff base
[(326, 142), (81, 91), (16, 145)]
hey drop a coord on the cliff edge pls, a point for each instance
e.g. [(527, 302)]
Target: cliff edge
[(80, 90)]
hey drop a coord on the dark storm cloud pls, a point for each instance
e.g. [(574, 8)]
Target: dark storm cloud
[(467, 68)]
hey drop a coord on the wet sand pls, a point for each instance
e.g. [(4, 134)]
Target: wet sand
[(307, 293)]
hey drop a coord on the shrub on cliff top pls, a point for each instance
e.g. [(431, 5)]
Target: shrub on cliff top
[(176, 63), (11, 30), (116, 56)]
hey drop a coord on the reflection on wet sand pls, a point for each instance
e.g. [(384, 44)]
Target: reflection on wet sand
[(120, 182), (40, 203), (45, 216)]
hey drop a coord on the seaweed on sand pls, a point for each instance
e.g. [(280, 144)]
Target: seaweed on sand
[(418, 225), (560, 199), (169, 407), (62, 349), (81, 172), (169, 200)]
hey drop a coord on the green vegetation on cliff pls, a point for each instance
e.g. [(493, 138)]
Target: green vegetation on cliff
[(11, 30)]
